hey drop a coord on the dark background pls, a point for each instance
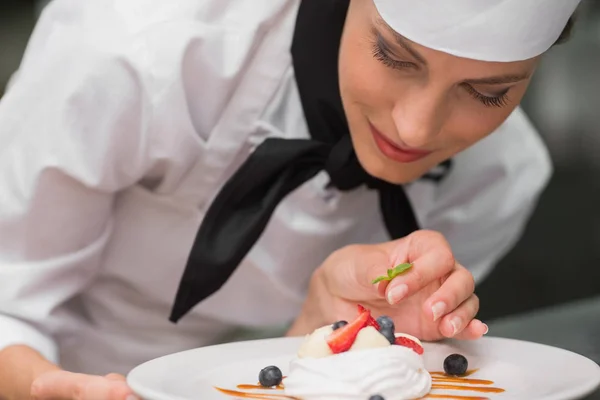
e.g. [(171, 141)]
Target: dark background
[(558, 259)]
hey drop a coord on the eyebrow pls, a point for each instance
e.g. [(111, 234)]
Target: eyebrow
[(494, 80), (401, 41)]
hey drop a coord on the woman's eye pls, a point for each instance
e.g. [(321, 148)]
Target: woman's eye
[(381, 53), (488, 101)]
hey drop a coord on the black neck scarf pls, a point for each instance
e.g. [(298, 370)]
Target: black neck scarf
[(243, 207)]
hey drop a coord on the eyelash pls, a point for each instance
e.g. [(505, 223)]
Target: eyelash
[(488, 101), (382, 55)]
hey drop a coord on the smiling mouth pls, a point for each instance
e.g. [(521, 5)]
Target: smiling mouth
[(394, 151)]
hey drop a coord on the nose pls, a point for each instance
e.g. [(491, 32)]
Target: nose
[(420, 114)]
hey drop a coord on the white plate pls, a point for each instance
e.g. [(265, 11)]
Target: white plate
[(524, 370)]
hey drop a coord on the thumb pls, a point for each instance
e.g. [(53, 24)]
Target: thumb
[(351, 272), (65, 385)]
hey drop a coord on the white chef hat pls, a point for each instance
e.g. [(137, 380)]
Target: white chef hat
[(487, 30)]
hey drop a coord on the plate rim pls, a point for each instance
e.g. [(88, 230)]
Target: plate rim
[(579, 392)]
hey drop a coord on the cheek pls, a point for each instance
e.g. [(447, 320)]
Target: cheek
[(471, 124), (472, 121), (362, 83)]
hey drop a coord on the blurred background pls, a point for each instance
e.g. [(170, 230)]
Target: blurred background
[(558, 258)]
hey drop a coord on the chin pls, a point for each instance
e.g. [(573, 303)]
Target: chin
[(390, 171)]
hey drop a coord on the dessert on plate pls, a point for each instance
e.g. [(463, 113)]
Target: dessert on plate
[(363, 359)]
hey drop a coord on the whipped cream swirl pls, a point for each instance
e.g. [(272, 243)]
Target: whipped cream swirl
[(394, 372)]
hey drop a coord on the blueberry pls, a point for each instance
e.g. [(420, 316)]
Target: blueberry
[(339, 324), (386, 322), (455, 364), (270, 376), (376, 397), (389, 334)]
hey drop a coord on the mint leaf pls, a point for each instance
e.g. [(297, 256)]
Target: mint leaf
[(379, 279), (400, 269), (393, 272)]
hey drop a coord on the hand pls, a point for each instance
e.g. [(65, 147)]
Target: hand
[(63, 385), (432, 300)]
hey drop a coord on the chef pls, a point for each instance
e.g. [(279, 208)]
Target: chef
[(174, 170)]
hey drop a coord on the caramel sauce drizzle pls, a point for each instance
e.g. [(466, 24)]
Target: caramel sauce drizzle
[(441, 381), (249, 395), (483, 389), (259, 387), (453, 397)]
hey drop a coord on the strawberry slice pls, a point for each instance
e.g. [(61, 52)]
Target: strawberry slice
[(342, 338), (411, 344), (371, 322)]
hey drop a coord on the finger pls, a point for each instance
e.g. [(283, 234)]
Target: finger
[(382, 288), (456, 289), (100, 388), (56, 385), (432, 260), (474, 330), (456, 321), (115, 377), (351, 272), (376, 261), (62, 385)]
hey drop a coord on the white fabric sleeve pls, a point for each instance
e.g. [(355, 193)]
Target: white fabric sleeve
[(16, 332), (486, 201), (72, 134)]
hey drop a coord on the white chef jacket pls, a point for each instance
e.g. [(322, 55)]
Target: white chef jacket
[(122, 123)]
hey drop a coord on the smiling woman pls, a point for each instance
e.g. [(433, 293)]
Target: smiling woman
[(417, 105)]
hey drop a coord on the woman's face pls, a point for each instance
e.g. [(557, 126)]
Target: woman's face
[(410, 107)]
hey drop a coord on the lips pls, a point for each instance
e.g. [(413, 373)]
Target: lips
[(396, 152)]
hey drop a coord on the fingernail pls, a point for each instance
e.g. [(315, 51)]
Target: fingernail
[(397, 293), (487, 329), (438, 310), (456, 323)]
